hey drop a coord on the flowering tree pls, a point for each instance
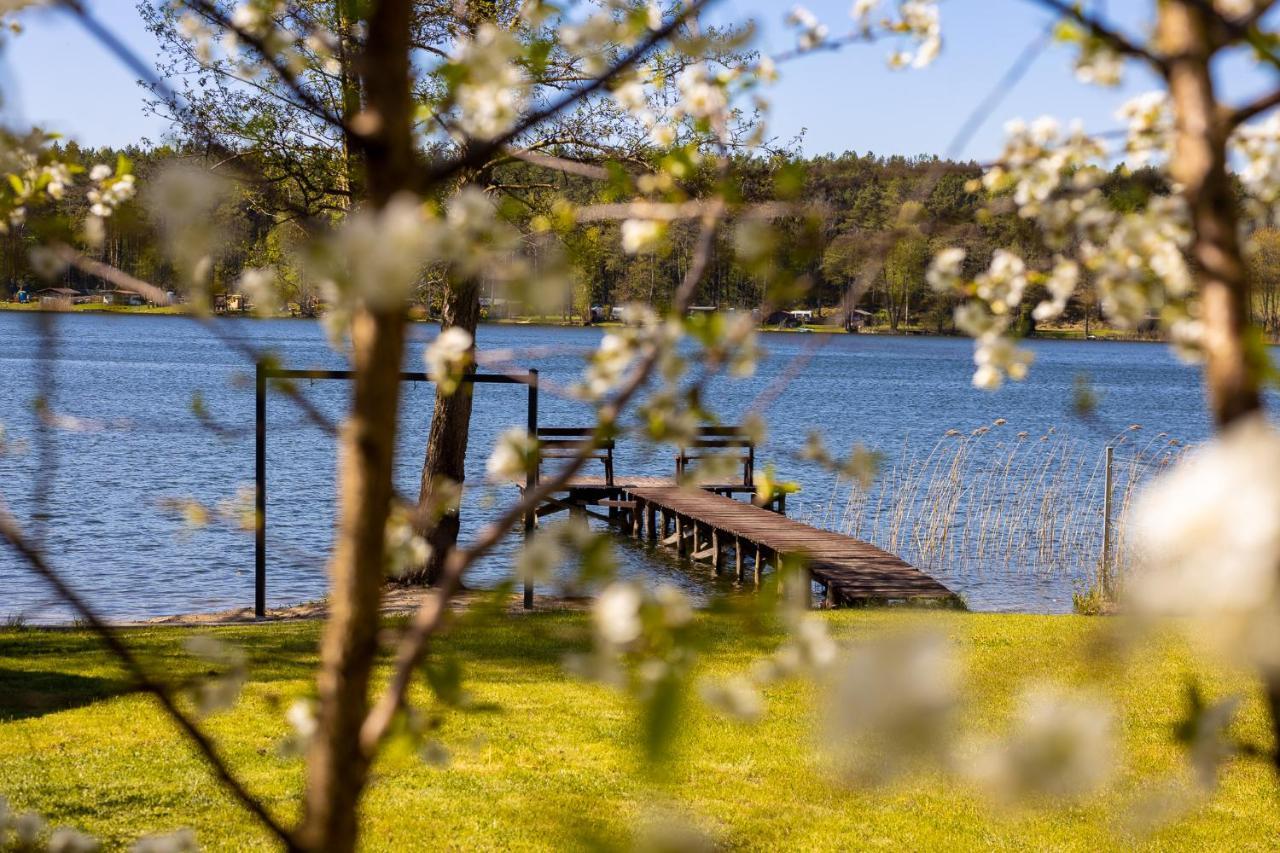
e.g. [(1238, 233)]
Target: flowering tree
[(400, 148)]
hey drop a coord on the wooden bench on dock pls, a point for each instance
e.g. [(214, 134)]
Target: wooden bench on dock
[(698, 515)]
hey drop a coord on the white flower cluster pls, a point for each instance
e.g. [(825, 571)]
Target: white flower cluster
[(513, 456), (267, 23), (1136, 259), (26, 830), (618, 350), (642, 236), (704, 97), (220, 690), (494, 88), (110, 191), (987, 319), (406, 550), (624, 610), (376, 257), (617, 22), (1149, 119), (1061, 747), (811, 32), (896, 708), (30, 182), (1206, 538), (1099, 63), (920, 22), (448, 357), (893, 708)]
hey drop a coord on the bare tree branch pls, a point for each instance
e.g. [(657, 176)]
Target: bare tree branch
[(36, 562)]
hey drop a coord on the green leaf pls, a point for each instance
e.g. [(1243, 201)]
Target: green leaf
[(124, 166), (444, 676), (16, 183), (662, 716)]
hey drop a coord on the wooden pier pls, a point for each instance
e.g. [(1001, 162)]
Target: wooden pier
[(703, 521), (706, 526)]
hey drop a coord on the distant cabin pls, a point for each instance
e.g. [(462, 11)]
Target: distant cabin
[(122, 297), (57, 295)]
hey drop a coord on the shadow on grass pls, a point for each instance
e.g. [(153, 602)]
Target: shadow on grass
[(33, 693)]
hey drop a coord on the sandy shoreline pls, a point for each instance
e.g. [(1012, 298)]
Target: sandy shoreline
[(396, 601)]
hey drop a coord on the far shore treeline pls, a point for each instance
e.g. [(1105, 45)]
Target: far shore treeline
[(852, 235)]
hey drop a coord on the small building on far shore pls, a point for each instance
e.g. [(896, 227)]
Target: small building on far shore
[(57, 296), (122, 297)]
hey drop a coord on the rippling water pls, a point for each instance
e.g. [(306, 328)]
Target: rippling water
[(128, 382)]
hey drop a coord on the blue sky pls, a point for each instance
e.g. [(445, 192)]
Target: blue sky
[(57, 76)]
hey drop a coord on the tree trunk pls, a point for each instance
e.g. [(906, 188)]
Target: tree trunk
[(337, 768), (447, 442), (446, 455), (1186, 35), (1200, 165)]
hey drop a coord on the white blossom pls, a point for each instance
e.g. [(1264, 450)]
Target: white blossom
[(1206, 537), (540, 557), (448, 357), (812, 32), (512, 456), (736, 697), (494, 91), (893, 708), (1061, 284), (642, 236), (701, 95), (617, 614), (944, 271), (182, 841), (67, 840), (406, 549), (1062, 747)]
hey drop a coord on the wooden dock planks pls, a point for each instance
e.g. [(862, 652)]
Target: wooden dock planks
[(850, 569)]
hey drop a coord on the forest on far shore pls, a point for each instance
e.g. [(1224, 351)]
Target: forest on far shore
[(865, 225)]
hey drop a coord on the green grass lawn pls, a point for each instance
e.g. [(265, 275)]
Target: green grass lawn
[(546, 761)]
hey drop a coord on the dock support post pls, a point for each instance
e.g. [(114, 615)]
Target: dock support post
[(260, 494), (697, 536), (829, 599), (531, 476), (653, 523), (717, 555), (681, 547), (739, 566), (758, 565)]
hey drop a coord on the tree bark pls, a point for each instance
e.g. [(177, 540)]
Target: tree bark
[(446, 455), (337, 767), (1186, 35)]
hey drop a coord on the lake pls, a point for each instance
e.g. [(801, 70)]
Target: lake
[(129, 444)]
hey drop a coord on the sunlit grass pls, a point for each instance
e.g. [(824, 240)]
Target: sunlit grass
[(546, 761)]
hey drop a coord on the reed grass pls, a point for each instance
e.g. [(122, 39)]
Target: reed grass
[(996, 498)]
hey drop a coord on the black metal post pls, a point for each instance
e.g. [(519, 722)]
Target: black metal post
[(260, 495), (531, 477)]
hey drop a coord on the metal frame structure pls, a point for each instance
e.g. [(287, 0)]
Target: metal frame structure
[(265, 373)]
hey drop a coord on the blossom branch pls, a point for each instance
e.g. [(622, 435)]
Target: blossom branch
[(478, 152), (37, 563), (1118, 42), (430, 616)]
